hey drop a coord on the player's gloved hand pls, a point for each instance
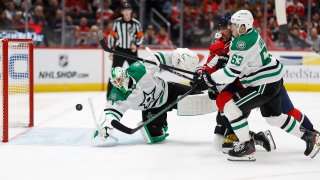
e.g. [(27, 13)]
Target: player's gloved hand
[(206, 82), (222, 61), (197, 76), (213, 93)]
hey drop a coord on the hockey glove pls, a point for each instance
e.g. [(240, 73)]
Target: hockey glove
[(222, 61), (198, 75), (105, 129), (213, 93), (206, 82)]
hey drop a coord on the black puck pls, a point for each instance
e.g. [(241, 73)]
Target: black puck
[(79, 107)]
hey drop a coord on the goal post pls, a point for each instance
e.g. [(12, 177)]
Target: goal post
[(16, 59)]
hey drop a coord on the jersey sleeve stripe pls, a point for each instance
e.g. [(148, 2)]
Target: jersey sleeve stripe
[(227, 73), (263, 76), (113, 112), (162, 58)]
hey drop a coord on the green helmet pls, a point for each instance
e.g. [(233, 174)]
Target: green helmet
[(120, 79)]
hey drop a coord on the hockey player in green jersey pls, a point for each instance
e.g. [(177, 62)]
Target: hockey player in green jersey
[(138, 88), (261, 76)]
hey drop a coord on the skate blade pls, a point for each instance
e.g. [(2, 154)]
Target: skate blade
[(226, 150), (271, 140), (243, 158)]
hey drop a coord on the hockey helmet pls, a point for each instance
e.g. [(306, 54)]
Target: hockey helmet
[(224, 21), (242, 17), (120, 79)]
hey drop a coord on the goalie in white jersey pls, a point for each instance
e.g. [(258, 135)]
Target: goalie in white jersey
[(138, 88), (261, 75)]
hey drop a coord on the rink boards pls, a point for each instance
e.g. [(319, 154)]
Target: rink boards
[(86, 69)]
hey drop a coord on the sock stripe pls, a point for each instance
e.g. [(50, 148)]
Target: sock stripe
[(286, 123), (240, 126), (292, 125)]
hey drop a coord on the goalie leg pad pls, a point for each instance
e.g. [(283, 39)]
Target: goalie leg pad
[(152, 134), (196, 104)]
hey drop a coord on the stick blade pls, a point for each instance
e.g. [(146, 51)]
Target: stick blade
[(116, 124)]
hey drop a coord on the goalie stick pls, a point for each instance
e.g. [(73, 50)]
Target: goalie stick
[(129, 57), (116, 124), (283, 25)]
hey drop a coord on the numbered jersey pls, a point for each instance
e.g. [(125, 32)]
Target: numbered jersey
[(250, 61), (147, 91)]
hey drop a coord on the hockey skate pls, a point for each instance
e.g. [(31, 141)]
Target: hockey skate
[(264, 139), (312, 140), (243, 152), (229, 142)]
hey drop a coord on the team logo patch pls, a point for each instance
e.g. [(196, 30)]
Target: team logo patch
[(241, 45)]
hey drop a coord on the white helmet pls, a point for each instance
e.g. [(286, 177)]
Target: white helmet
[(120, 79), (184, 58), (242, 17)]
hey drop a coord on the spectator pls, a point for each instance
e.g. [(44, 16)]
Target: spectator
[(76, 6), (295, 7), (39, 18), (209, 6), (107, 12), (5, 23), (11, 10), (51, 10), (163, 39), (282, 42), (81, 32), (314, 39), (92, 39), (17, 19), (149, 37), (294, 43)]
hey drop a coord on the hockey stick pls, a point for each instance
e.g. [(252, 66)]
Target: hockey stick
[(133, 58), (283, 25), (116, 124), (98, 128)]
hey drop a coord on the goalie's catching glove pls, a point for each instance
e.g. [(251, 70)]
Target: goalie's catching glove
[(105, 129)]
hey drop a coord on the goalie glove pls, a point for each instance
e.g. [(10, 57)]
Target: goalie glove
[(105, 129)]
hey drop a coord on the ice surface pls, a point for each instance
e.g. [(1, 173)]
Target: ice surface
[(60, 147)]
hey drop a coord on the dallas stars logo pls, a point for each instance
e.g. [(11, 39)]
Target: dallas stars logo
[(241, 45), (148, 99)]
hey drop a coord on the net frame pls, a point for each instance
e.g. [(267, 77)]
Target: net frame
[(5, 86)]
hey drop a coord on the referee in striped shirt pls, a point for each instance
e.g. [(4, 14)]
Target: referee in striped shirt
[(126, 36)]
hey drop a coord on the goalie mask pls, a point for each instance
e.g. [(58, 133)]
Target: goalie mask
[(184, 58), (120, 79), (242, 17)]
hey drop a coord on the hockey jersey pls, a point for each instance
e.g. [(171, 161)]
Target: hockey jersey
[(250, 61), (147, 91)]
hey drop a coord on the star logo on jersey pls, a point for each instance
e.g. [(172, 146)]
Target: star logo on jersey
[(241, 45), (148, 99)]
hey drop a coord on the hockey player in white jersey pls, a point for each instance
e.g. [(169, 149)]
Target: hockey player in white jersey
[(138, 88), (261, 75)]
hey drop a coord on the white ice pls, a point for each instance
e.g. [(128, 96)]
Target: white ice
[(60, 147)]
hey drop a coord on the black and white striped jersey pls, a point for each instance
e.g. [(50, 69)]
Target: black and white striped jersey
[(124, 34)]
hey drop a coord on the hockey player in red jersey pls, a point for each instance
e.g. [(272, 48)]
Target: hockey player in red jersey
[(217, 59)]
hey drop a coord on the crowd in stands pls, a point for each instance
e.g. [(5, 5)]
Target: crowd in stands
[(83, 19)]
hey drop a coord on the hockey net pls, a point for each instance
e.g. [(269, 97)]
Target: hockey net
[(16, 67)]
